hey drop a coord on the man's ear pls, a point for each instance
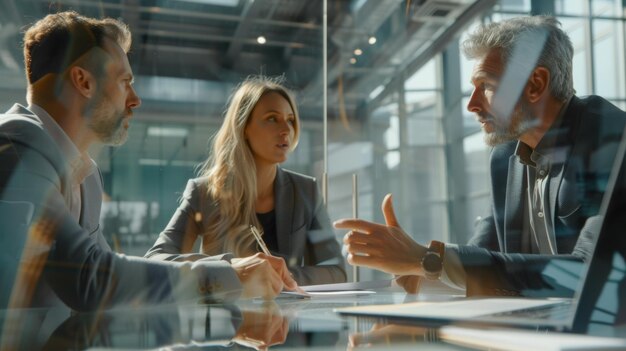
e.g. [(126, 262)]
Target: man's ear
[(83, 81), (538, 83)]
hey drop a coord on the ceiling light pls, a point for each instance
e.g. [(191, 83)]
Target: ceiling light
[(230, 3), (167, 132), (372, 40), (261, 40), (358, 52), (163, 163), (352, 60), (152, 162)]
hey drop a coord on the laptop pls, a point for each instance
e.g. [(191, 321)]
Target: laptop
[(598, 302)]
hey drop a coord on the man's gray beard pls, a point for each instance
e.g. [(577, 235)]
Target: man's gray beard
[(110, 131), (522, 121), (119, 135)]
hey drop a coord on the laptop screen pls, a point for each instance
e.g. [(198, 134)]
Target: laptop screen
[(601, 297)]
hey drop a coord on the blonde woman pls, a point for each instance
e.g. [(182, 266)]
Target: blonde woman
[(242, 184)]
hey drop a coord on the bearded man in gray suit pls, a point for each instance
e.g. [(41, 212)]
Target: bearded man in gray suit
[(52, 252)]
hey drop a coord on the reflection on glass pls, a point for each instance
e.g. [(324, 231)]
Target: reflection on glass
[(172, 327), (392, 335), (262, 328), (608, 49)]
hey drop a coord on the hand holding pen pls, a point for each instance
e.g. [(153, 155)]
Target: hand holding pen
[(259, 240)]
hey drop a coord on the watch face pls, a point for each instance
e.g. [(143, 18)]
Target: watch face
[(432, 263)]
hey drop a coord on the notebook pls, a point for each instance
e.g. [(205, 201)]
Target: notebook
[(598, 303)]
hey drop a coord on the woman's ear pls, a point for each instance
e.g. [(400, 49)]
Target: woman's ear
[(538, 83), (83, 81)]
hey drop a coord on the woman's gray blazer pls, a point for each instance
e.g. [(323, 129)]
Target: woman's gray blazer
[(305, 237)]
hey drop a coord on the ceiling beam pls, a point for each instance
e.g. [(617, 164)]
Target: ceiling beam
[(205, 15), (437, 45), (368, 19), (250, 11)]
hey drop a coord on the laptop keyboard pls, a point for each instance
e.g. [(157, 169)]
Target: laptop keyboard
[(558, 311)]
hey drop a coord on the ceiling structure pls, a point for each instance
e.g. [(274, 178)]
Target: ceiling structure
[(216, 40), (188, 55)]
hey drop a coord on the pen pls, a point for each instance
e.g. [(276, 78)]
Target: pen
[(259, 240)]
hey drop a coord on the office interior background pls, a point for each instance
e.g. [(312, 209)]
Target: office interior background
[(396, 88)]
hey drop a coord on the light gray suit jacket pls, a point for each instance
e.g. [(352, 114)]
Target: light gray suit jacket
[(305, 237), (69, 262)]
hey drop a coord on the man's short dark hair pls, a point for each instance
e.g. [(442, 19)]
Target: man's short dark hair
[(53, 43)]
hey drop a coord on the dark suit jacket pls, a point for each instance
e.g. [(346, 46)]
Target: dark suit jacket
[(64, 261), (585, 150), (305, 237)]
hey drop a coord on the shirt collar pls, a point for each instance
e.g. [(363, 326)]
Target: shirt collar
[(80, 163), (541, 153)]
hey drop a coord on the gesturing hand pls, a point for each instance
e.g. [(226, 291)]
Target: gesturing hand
[(384, 247), (410, 283), (263, 276)]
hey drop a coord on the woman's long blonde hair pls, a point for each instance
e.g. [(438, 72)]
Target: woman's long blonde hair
[(231, 170)]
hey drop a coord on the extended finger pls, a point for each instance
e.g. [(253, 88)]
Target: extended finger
[(360, 248), (358, 224), (388, 212), (359, 237), (365, 261)]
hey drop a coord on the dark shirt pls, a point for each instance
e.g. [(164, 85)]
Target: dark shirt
[(268, 222)]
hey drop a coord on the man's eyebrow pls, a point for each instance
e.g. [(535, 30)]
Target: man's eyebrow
[(482, 76)]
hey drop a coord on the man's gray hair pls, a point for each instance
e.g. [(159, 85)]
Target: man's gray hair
[(556, 55)]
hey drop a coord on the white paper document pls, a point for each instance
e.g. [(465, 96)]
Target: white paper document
[(338, 289), (295, 294), (374, 284)]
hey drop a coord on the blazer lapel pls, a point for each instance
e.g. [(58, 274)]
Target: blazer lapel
[(283, 207), (556, 178), (563, 160), (513, 208)]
